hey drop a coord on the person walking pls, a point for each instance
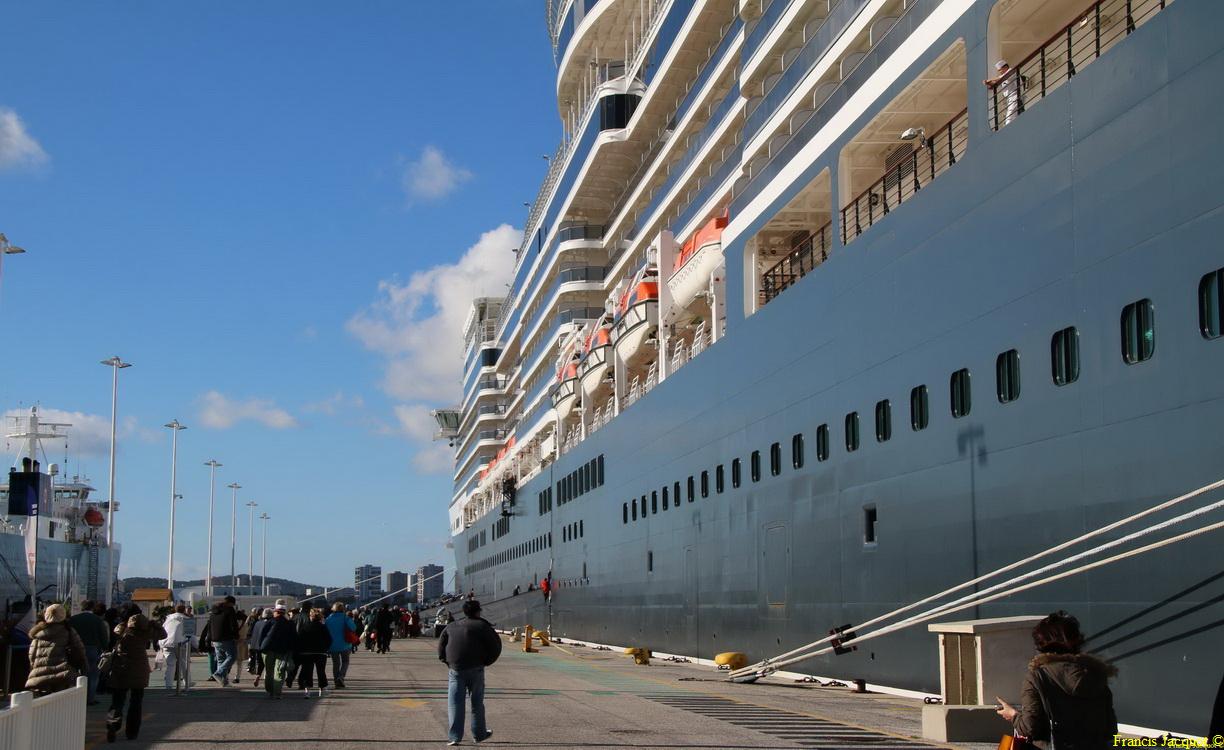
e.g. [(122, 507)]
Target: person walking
[(258, 627), (277, 642), (96, 636), (467, 646), (129, 674), (174, 645), (223, 632), (241, 651), (57, 654), (313, 642), (342, 632), (382, 628), (1064, 690)]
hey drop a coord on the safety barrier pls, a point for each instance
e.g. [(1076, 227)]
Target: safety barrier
[(51, 722)]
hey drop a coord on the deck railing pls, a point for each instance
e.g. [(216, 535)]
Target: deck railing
[(804, 256), (1065, 54), (939, 151)]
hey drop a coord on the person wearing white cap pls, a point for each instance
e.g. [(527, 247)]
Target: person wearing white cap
[(277, 643), (1006, 85)]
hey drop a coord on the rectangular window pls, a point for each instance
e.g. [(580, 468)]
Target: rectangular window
[(962, 400), (664, 498), (775, 459), (676, 495), (719, 479), (869, 524), (797, 451), (1138, 332), (705, 484), (920, 408), (654, 502), (822, 443), (599, 470), (649, 562), (692, 494), (643, 506), (883, 420), (1007, 376), (581, 529), (852, 431), (1211, 313), (755, 465), (1064, 356), (735, 473), (633, 502)]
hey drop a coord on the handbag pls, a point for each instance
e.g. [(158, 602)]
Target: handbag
[(351, 637), (107, 661)]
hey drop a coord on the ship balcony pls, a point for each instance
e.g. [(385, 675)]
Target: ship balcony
[(915, 138), (809, 250), (1074, 36)]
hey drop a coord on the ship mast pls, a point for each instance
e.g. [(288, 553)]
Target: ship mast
[(34, 431)]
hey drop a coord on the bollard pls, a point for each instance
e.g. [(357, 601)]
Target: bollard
[(543, 637), (516, 635), (731, 660), (640, 655), (527, 634)]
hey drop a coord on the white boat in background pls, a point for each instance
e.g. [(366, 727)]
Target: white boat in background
[(595, 363), (699, 257)]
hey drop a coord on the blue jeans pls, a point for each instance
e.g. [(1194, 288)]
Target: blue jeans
[(462, 682), (227, 652), (92, 655)]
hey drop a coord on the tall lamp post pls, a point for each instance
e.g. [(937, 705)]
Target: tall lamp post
[(233, 533), (116, 364), (212, 465), (251, 549), (263, 551), (175, 427)]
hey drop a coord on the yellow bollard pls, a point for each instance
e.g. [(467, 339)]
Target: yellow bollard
[(543, 637), (640, 655), (731, 660), (528, 632)]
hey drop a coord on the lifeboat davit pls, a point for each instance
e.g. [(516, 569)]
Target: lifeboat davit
[(595, 360), (637, 313), (700, 255)]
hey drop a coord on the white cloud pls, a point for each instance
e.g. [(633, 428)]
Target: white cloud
[(17, 147), (220, 412), (336, 403), (418, 325), (89, 435), (433, 176)]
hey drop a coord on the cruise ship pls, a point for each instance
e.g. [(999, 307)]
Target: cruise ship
[(825, 306)]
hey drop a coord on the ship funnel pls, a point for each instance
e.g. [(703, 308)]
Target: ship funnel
[(26, 464)]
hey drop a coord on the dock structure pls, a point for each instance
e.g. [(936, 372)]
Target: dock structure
[(566, 696)]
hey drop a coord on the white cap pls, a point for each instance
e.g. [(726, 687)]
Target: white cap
[(1000, 65)]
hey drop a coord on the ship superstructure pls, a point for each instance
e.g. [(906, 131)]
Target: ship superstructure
[(759, 370)]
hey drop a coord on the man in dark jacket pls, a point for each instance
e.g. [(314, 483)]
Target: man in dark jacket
[(468, 646), (223, 631), (277, 642), (95, 634)]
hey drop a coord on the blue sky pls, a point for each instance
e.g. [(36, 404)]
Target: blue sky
[(278, 212)]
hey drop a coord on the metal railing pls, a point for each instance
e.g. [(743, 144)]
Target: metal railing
[(804, 256), (933, 157), (1065, 54)]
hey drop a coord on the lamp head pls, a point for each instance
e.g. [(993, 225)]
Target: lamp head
[(912, 133)]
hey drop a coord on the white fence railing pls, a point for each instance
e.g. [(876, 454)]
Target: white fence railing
[(52, 722)]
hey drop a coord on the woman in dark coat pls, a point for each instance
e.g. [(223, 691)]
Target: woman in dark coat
[(1074, 685), (313, 643), (57, 655), (130, 673)]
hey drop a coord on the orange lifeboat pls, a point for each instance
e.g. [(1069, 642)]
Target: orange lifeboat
[(637, 313), (595, 360), (700, 255), (565, 393)]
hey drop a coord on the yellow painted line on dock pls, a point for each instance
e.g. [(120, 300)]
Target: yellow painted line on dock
[(410, 703)]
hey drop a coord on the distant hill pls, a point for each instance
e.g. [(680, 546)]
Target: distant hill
[(288, 587)]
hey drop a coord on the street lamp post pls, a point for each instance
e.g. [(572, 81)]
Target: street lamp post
[(212, 465), (263, 551), (251, 549), (116, 364), (233, 533), (175, 427)]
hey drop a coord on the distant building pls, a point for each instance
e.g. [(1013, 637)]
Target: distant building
[(397, 582), (367, 580), (429, 583)]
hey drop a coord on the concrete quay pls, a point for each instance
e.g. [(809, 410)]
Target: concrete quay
[(565, 696)]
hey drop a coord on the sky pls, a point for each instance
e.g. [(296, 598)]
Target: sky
[(279, 213)]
